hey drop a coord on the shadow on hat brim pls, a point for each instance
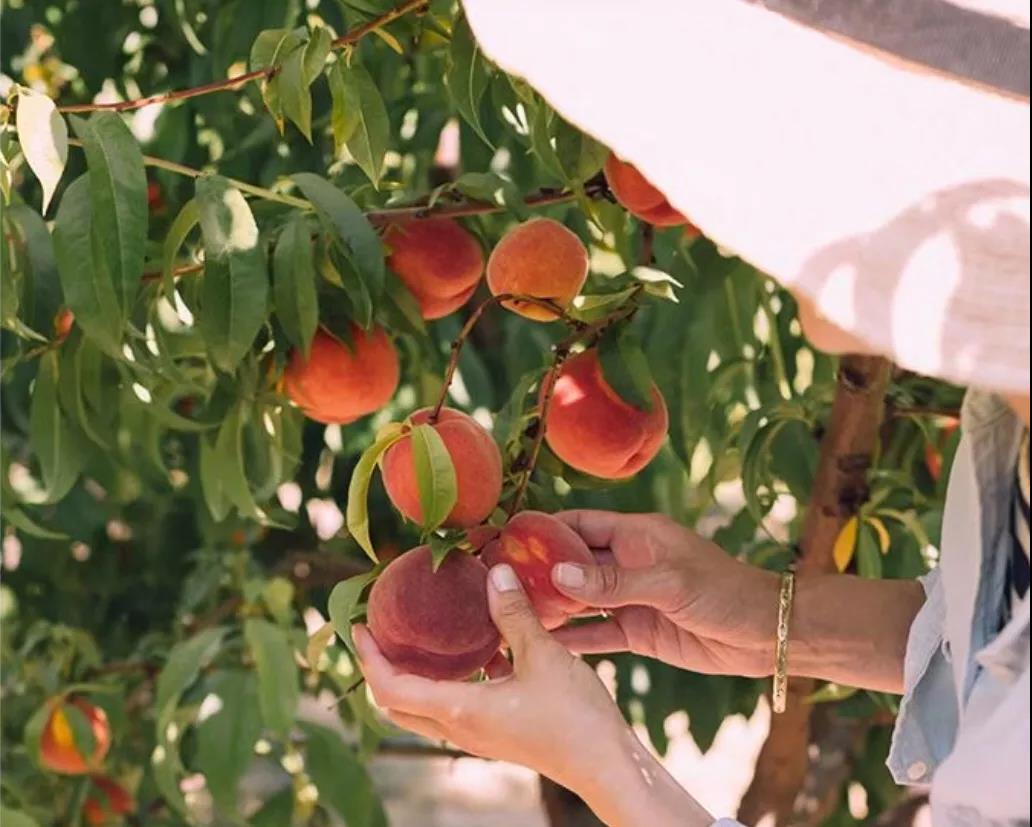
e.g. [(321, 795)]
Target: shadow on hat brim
[(893, 195)]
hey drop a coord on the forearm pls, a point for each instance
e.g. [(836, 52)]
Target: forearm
[(852, 630), (630, 788)]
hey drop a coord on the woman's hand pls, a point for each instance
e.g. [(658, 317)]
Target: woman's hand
[(675, 596), (548, 711)]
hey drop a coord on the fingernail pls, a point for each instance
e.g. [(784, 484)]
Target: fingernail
[(570, 575), (504, 578)]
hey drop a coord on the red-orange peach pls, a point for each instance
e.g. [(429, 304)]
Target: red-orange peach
[(533, 543), (477, 462), (340, 383), (438, 260), (434, 624), (638, 196), (591, 428), (539, 258), (107, 802), (58, 751)]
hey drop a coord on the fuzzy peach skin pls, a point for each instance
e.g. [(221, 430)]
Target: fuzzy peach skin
[(638, 196), (434, 624), (57, 749), (438, 260), (477, 462), (539, 258), (339, 384), (533, 543), (107, 802), (590, 428)]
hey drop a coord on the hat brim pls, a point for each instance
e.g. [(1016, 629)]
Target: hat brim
[(895, 199)]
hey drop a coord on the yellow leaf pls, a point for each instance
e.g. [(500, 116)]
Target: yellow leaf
[(881, 531), (390, 40), (845, 544)]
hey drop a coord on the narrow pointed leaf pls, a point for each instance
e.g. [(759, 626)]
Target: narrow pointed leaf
[(43, 135), (368, 128), (358, 489), (53, 440), (273, 656), (184, 222), (294, 284), (435, 476)]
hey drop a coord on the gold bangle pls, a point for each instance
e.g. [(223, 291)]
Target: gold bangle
[(785, 597)]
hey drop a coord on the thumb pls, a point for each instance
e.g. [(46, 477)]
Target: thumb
[(608, 586), (512, 612)]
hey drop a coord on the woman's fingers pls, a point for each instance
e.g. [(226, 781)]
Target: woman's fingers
[(498, 667), (596, 528), (402, 692), (415, 723), (513, 615), (593, 638)]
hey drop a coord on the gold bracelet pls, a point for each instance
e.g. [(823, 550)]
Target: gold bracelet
[(785, 597)]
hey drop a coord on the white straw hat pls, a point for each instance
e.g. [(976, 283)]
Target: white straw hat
[(873, 156)]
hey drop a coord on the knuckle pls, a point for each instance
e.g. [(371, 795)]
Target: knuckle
[(608, 580), (514, 610)]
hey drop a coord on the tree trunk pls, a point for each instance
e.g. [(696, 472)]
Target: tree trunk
[(839, 488)]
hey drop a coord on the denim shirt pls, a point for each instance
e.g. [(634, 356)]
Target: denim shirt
[(963, 725)]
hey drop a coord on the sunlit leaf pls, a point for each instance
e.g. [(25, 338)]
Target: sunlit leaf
[(43, 136), (435, 476)]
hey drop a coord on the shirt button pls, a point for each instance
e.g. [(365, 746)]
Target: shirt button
[(917, 771)]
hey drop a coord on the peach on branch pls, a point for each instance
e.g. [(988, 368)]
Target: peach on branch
[(591, 428), (638, 196), (58, 750), (533, 543), (107, 802), (438, 260), (539, 258), (340, 382), (434, 624), (474, 455)]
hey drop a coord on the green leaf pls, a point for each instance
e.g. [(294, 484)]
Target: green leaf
[(468, 76), (293, 284), (579, 155), (316, 51), (493, 189), (868, 554), (342, 780), (16, 818), (184, 222), (625, 368), (88, 289), (277, 674), (435, 476), (358, 488), (41, 297), (294, 93), (234, 293), (276, 810), (185, 661), (343, 601), (43, 136), (53, 440), (318, 643), (361, 114), (269, 50), (82, 733), (226, 736), (23, 522), (118, 194), (351, 229), (34, 727), (831, 692), (229, 457), (211, 481)]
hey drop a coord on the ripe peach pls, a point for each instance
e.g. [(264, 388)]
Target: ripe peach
[(438, 260), (477, 462), (63, 322), (434, 624), (590, 428), (57, 748), (539, 258), (338, 383), (532, 543), (638, 196), (106, 802)]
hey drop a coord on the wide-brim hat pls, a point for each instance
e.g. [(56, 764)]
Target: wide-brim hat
[(873, 156)]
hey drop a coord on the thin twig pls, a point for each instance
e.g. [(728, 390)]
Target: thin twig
[(347, 39), (945, 413)]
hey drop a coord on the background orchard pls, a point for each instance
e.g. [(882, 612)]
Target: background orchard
[(174, 524)]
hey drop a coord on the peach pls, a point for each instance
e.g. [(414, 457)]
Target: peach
[(63, 322), (591, 428), (434, 624), (477, 462), (533, 543), (106, 802), (438, 260), (638, 196), (340, 383), (539, 258), (58, 751)]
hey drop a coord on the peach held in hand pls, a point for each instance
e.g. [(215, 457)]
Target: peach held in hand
[(438, 260), (533, 543), (539, 258), (475, 457), (590, 428), (434, 624), (338, 383)]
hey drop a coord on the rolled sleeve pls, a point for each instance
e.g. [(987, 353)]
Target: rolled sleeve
[(926, 726)]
